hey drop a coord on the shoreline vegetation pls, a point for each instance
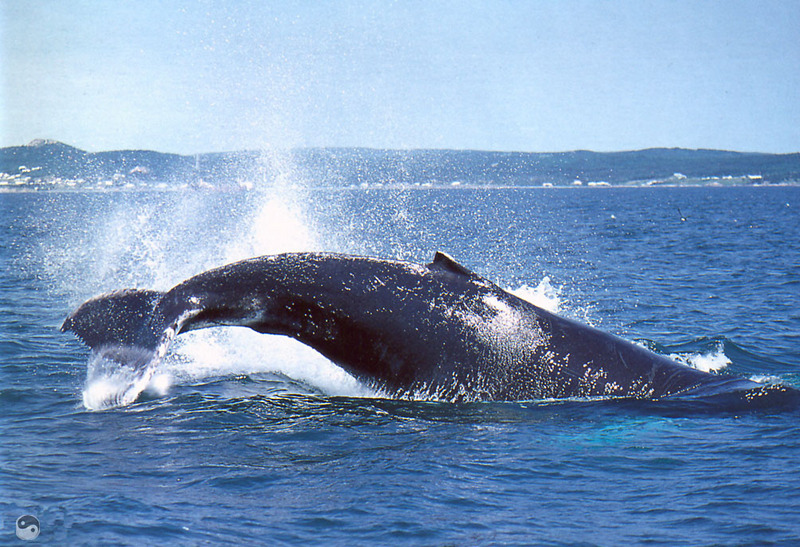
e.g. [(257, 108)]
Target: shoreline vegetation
[(46, 165)]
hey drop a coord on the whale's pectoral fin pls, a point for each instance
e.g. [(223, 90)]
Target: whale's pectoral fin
[(120, 318), (444, 262)]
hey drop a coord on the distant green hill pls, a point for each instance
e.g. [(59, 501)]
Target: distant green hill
[(45, 163)]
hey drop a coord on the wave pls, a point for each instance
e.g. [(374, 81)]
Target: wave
[(720, 354)]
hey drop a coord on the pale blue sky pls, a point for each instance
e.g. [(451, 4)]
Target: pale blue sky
[(503, 75)]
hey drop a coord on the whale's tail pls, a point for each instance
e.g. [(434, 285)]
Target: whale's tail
[(128, 335), (120, 319)]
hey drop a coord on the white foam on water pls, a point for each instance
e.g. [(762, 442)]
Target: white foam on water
[(214, 353), (766, 379), (159, 384), (110, 384), (229, 351), (549, 297), (710, 361), (543, 295)]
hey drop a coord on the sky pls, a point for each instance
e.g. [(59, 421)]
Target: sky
[(538, 76)]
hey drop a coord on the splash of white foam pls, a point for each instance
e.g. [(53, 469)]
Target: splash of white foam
[(229, 351), (278, 226), (159, 384), (544, 295), (110, 384), (710, 361), (766, 379)]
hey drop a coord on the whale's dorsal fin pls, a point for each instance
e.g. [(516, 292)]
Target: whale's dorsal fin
[(443, 261)]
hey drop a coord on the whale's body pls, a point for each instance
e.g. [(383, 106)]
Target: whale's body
[(433, 331)]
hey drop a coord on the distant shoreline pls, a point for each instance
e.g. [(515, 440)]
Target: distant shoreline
[(47, 165)]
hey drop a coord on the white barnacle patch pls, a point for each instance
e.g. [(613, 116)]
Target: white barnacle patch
[(640, 388), (551, 373), (593, 382)]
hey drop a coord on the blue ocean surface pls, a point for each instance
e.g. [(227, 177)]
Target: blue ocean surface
[(250, 439)]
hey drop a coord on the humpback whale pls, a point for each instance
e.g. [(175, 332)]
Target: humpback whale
[(435, 331)]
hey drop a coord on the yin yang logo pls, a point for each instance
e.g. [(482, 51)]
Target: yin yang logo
[(28, 527)]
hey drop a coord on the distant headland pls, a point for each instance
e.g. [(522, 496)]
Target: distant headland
[(51, 165)]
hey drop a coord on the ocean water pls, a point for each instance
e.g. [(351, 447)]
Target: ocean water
[(249, 439)]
